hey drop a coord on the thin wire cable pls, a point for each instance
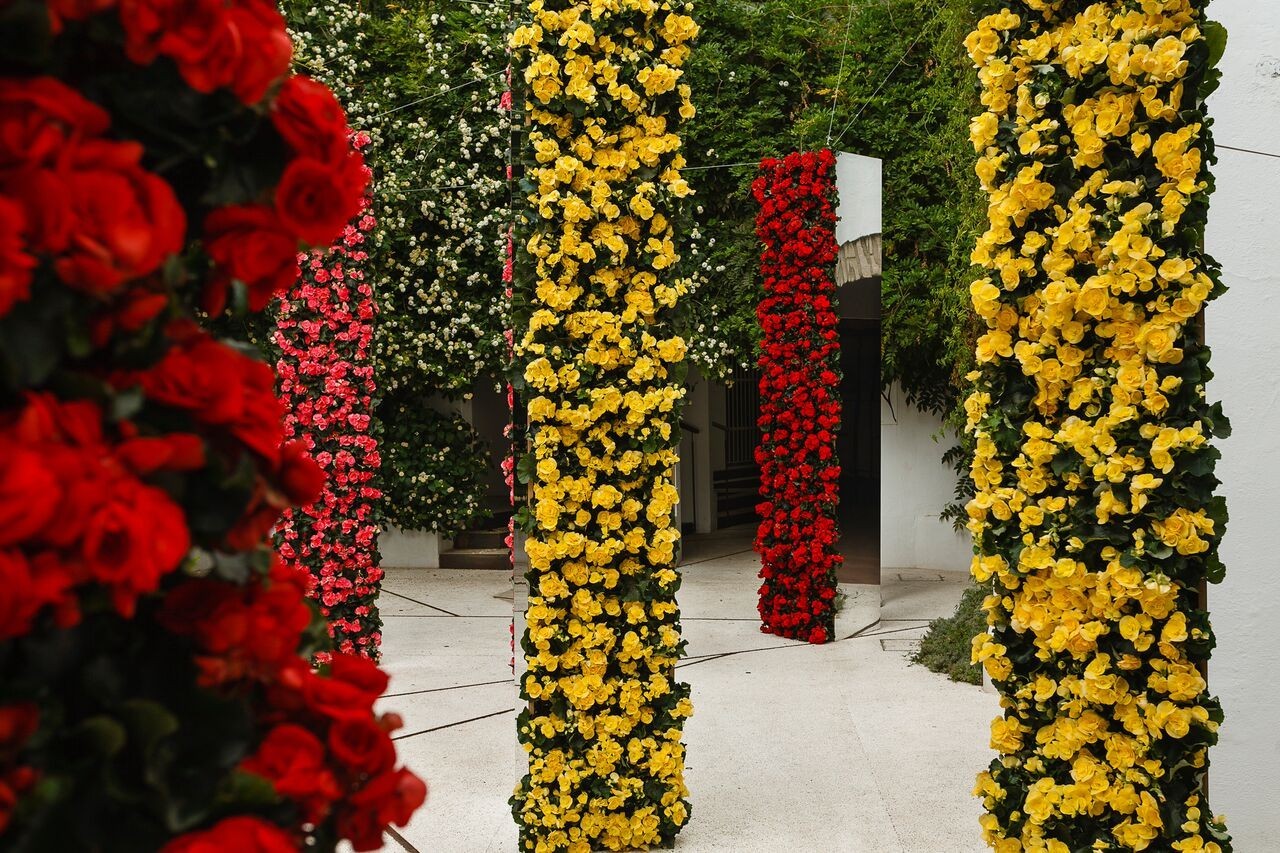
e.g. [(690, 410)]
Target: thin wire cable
[(835, 94), (1248, 151), (886, 79), (441, 92), (720, 166)]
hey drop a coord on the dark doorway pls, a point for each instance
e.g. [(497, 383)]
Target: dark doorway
[(859, 449)]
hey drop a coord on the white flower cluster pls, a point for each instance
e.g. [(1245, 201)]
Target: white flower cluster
[(709, 347), (441, 196)]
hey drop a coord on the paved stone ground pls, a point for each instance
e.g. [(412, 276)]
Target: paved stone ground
[(842, 748)]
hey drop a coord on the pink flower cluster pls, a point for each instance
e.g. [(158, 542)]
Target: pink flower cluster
[(324, 335)]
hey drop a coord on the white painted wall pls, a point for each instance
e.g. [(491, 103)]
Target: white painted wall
[(859, 191), (1243, 327), (914, 487)]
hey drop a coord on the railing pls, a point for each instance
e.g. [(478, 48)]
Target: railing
[(742, 410)]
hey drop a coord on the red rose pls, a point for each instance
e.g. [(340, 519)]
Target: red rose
[(219, 386), (362, 746), (133, 540), (309, 117), (390, 798), (249, 244), (239, 834), (147, 23), (260, 426), (181, 451), (300, 477), (103, 217), (15, 264), (194, 374), (27, 586), (243, 632), (261, 514), (242, 46), (189, 604), (29, 493), (40, 117), (266, 51), (350, 690), (129, 313), (315, 199), (293, 760)]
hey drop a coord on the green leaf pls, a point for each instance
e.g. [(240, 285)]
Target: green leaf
[(248, 789), (101, 734), (1215, 34)]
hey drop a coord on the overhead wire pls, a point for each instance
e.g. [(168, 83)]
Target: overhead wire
[(835, 93)]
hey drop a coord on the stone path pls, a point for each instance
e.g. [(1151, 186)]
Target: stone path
[(843, 748)]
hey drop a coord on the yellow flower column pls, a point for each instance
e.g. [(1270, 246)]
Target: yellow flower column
[(1094, 519), (601, 373)]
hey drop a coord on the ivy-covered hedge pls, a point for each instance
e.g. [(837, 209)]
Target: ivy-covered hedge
[(441, 466)]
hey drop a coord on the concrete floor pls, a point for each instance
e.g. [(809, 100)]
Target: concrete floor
[(843, 748)]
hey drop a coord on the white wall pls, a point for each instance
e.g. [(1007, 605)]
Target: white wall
[(914, 487), (1243, 327), (859, 192)]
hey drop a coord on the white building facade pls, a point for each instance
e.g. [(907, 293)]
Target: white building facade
[(1243, 329)]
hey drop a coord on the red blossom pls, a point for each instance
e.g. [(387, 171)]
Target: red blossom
[(311, 120), (146, 417), (248, 244), (293, 760), (16, 263), (90, 206), (390, 798), (315, 198), (241, 834), (241, 45)]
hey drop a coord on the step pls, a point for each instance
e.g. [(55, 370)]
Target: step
[(736, 473), (493, 537), (733, 519), (496, 518), (476, 558), (745, 500)]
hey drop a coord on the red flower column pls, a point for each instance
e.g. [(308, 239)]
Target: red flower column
[(157, 690), (324, 335), (799, 363)]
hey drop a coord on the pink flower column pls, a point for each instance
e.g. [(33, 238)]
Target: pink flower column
[(325, 335)]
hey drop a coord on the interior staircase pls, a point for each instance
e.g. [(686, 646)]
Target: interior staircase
[(737, 490), (482, 546)]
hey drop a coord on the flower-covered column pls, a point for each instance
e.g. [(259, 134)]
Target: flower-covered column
[(798, 537), (601, 374), (324, 335), (1095, 520), (157, 682)]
